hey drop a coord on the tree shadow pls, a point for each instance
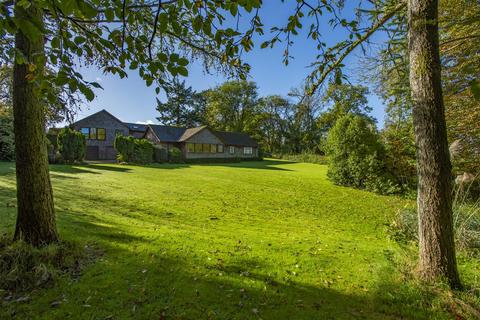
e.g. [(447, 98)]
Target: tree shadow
[(260, 165)]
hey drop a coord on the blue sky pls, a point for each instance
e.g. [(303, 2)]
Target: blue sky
[(130, 100)]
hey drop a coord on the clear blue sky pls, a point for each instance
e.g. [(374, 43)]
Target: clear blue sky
[(130, 100)]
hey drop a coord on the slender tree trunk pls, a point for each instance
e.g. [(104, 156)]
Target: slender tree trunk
[(437, 248), (36, 214)]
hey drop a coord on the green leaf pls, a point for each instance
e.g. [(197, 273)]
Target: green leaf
[(79, 40), (475, 88), (182, 61), (182, 71), (109, 14)]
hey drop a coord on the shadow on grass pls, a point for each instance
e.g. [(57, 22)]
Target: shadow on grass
[(139, 282), (261, 165)]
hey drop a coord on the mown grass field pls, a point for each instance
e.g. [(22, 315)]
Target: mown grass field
[(256, 240)]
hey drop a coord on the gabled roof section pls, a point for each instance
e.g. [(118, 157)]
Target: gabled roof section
[(99, 112), (167, 133), (136, 126), (191, 132), (236, 139)]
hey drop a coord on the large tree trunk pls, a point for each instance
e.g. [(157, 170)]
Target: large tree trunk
[(36, 214), (437, 249)]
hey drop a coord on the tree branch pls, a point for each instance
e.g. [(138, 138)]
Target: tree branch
[(355, 44)]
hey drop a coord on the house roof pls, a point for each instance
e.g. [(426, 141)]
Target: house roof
[(136, 126), (236, 138), (180, 134), (101, 111), (190, 132), (168, 133)]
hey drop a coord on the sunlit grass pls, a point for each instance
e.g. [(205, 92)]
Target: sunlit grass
[(270, 240)]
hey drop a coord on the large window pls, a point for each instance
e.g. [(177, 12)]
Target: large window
[(204, 148), (247, 150), (101, 134), (231, 149), (85, 132), (94, 133)]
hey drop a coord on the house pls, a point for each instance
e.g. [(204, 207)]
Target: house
[(203, 142), (101, 128)]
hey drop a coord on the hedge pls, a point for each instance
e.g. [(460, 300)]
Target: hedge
[(133, 150), (71, 145)]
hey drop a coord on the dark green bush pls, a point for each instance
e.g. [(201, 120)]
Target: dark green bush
[(133, 150), (357, 157), (175, 155), (160, 154), (143, 151), (71, 145)]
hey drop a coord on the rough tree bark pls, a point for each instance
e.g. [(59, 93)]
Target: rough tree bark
[(36, 214), (436, 239)]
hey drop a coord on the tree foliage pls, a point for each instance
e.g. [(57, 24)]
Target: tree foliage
[(356, 155), (184, 107), (7, 143)]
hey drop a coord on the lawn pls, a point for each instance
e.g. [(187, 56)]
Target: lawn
[(254, 240)]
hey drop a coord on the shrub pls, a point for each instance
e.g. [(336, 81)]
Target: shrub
[(357, 157), (175, 155), (71, 145), (160, 154), (303, 157), (133, 150), (143, 151)]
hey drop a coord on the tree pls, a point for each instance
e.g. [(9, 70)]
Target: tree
[(157, 38), (356, 155), (275, 113), (436, 239), (233, 106), (437, 250), (184, 107), (343, 99)]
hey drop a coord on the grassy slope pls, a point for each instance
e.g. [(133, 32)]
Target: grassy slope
[(269, 239)]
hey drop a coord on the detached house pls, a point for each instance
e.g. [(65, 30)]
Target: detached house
[(203, 142), (101, 128)]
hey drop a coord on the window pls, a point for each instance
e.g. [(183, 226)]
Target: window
[(93, 133), (118, 132), (85, 132), (101, 134), (190, 147), (220, 148), (231, 149), (213, 148), (247, 150), (198, 147), (206, 147)]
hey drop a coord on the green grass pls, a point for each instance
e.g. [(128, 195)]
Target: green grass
[(269, 240)]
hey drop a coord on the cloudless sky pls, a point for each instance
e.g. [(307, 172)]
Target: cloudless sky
[(131, 100)]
